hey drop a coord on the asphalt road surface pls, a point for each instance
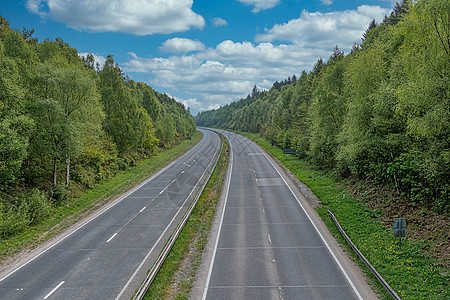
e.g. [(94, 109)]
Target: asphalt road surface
[(267, 247), (97, 260)]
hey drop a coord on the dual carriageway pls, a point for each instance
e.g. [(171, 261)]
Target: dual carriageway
[(266, 243)]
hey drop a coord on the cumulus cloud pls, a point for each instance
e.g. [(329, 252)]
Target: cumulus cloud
[(191, 103), (97, 58), (219, 22), (139, 17), (218, 75), (319, 30), (259, 5), (228, 72), (181, 45)]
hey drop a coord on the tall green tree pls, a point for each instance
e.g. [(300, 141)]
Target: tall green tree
[(151, 104), (125, 123), (119, 107), (424, 98), (16, 128), (326, 113), (4, 27), (65, 95)]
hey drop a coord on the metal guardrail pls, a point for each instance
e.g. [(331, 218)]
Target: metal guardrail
[(364, 259), (168, 246)]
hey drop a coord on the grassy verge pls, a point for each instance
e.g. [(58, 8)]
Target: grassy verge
[(63, 216), (411, 273), (175, 278)]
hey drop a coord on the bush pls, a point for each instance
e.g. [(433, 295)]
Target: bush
[(37, 206), (122, 164), (59, 194), (29, 209), (12, 219)]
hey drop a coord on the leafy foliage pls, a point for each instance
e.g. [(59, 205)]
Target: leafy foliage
[(67, 125), (28, 209)]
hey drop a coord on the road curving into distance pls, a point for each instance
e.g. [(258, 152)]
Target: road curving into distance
[(267, 245), (108, 255)]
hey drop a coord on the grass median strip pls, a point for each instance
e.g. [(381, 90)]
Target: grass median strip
[(175, 278), (410, 272), (62, 217)]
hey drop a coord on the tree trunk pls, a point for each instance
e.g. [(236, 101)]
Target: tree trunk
[(67, 169), (54, 171), (67, 175), (397, 184)]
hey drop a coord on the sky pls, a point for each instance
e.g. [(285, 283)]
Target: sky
[(204, 53)]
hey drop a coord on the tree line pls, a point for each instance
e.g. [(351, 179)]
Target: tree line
[(68, 123), (381, 112)]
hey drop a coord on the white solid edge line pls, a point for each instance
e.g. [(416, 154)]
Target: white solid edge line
[(108, 208), (315, 227), (160, 237), (208, 278), (52, 291)]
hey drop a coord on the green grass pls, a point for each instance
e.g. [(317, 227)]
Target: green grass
[(62, 217), (194, 235), (411, 273)]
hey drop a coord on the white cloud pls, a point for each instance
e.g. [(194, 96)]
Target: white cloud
[(326, 2), (227, 72), (139, 17), (181, 45), (219, 22), (97, 58), (320, 30), (34, 5), (213, 106), (192, 103), (259, 5)]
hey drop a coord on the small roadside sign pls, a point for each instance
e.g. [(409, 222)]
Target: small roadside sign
[(400, 229), (288, 151)]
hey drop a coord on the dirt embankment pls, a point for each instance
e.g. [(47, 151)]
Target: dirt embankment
[(422, 223)]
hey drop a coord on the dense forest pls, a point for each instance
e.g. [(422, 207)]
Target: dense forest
[(67, 124), (380, 113)]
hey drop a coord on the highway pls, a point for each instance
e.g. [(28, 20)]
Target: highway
[(267, 246), (106, 256)]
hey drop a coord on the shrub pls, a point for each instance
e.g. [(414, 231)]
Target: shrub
[(37, 206), (29, 209), (59, 194), (12, 219)]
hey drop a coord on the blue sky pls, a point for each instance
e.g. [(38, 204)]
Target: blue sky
[(205, 53)]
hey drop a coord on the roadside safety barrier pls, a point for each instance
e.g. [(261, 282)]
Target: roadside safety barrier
[(364, 259)]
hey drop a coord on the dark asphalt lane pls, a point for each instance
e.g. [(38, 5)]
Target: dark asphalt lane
[(97, 260), (267, 247)]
